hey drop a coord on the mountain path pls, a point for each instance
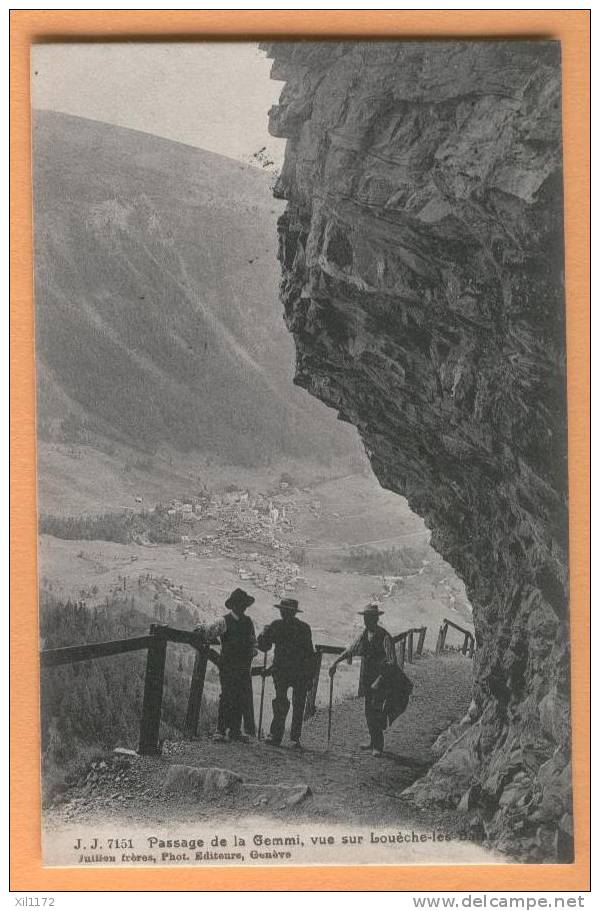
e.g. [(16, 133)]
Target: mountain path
[(346, 784)]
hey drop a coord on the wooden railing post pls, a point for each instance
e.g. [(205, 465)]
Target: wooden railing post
[(196, 691), (441, 641), (402, 655), (468, 645), (153, 693), (311, 702), (409, 646), (438, 644), (421, 640), (444, 634)]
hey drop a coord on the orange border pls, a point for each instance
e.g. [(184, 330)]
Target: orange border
[(573, 29)]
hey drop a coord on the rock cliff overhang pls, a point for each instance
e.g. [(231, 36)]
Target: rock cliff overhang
[(422, 280)]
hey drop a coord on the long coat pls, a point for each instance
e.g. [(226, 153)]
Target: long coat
[(379, 659), (294, 657)]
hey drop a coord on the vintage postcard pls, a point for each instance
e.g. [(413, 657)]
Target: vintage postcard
[(301, 453)]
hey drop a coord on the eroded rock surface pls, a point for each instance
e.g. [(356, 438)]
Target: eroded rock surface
[(199, 782), (422, 260)]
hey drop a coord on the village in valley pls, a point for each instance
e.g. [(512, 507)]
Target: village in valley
[(244, 520), (334, 543)]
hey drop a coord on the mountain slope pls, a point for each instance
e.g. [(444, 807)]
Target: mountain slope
[(156, 299)]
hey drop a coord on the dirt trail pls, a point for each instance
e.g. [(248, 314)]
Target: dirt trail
[(346, 784)]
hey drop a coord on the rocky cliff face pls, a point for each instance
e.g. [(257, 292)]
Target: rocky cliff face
[(422, 259)]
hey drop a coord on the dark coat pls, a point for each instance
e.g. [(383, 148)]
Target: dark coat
[(294, 657), (396, 691), (237, 643), (377, 655)]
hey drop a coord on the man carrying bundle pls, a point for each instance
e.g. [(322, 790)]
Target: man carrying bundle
[(383, 683)]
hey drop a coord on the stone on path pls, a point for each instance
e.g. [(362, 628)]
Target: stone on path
[(186, 780), (195, 782), (278, 795)]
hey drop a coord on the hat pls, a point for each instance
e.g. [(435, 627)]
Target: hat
[(289, 604), (239, 598), (371, 610)]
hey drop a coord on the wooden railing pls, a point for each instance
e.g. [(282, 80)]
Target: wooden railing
[(468, 645), (156, 646), (407, 645)]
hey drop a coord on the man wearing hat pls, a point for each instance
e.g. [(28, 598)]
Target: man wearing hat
[(235, 633), (376, 648), (293, 666)]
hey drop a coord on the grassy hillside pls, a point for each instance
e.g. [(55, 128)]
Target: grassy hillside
[(157, 300)]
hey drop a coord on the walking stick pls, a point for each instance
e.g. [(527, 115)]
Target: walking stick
[(262, 697), (330, 710)]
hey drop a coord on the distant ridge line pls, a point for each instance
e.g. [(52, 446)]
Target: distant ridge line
[(167, 139)]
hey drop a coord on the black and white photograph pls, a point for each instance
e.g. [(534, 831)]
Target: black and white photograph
[(301, 453)]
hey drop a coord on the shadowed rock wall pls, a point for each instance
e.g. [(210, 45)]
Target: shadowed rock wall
[(422, 259)]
